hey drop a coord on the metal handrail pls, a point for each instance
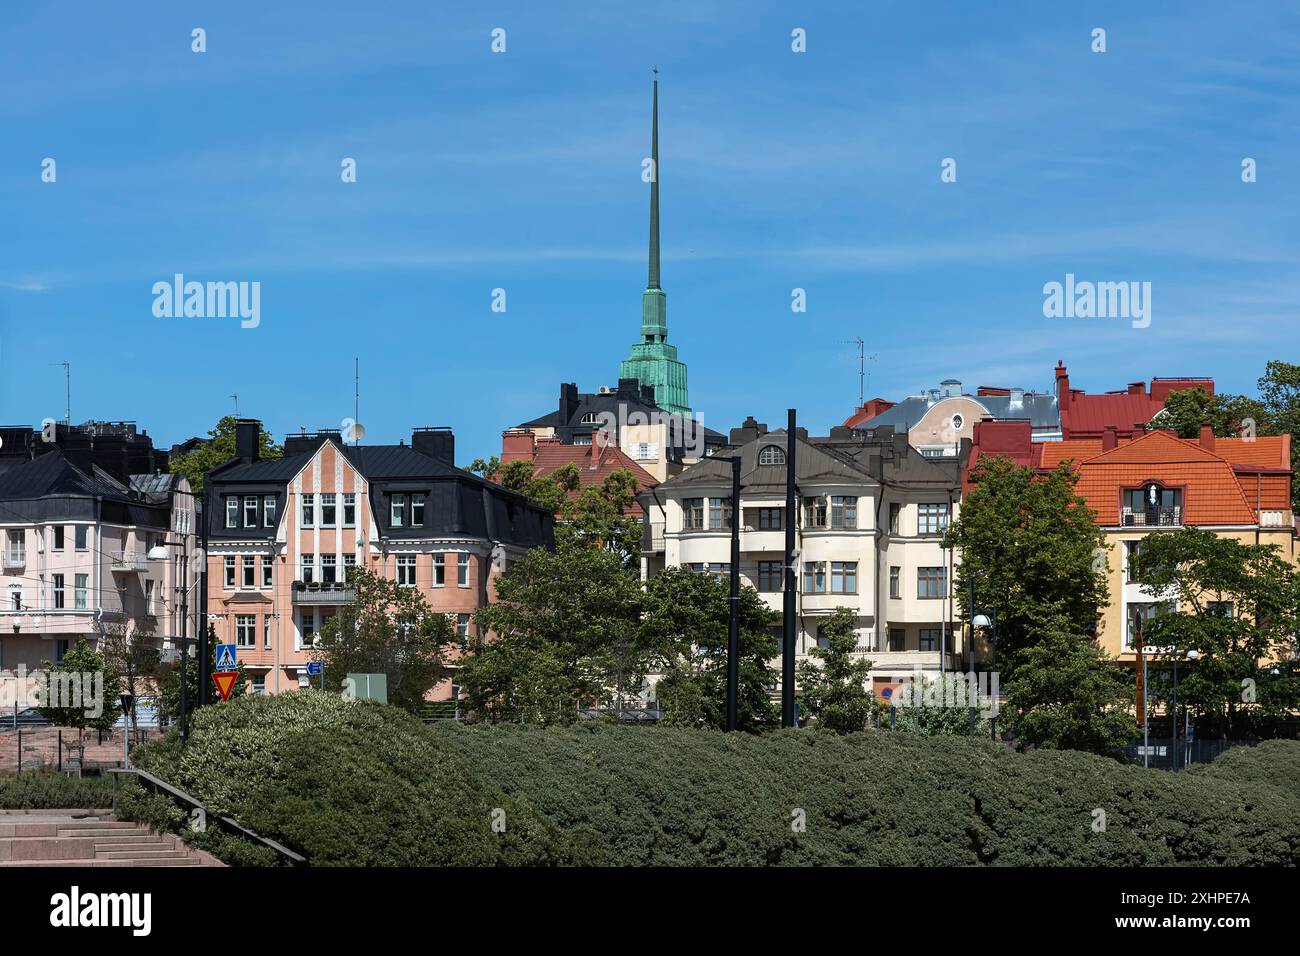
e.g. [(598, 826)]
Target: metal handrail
[(180, 794)]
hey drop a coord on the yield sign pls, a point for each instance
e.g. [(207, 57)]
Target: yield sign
[(225, 681)]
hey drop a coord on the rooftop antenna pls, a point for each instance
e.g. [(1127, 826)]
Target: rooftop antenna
[(862, 368), (356, 397), (67, 384), (236, 398)]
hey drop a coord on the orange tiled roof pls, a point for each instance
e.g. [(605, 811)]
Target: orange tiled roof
[(1267, 451), (1052, 453), (550, 456)]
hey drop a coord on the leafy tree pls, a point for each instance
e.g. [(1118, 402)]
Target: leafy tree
[(132, 655), (1186, 411), (1030, 541), (940, 721), (685, 630), (80, 661), (565, 633), (836, 693), (217, 450), (388, 629), (485, 469), (597, 517), (1068, 696), (1237, 605), (169, 686)]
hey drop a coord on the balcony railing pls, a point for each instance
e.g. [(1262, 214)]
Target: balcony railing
[(128, 561), (15, 558), (323, 594), (1152, 517), (656, 544)]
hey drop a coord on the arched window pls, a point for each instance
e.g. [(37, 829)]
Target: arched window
[(771, 455)]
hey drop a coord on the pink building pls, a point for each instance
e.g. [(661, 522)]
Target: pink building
[(284, 533)]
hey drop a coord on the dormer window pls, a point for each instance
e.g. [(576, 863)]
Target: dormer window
[(1152, 505), (771, 455)]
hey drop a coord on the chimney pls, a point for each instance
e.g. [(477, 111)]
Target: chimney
[(1062, 387), (598, 445), (248, 434), (1110, 438), (568, 401), (900, 444), (748, 431), (517, 444), (438, 443), (1137, 388), (1207, 436)]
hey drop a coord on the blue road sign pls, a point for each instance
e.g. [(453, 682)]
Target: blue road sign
[(314, 668), (225, 658)]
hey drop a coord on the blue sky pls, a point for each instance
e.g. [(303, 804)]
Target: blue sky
[(522, 171)]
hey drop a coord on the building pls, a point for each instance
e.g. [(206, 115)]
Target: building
[(77, 523), (594, 461), (936, 420), (652, 361), (1088, 416), (1140, 481), (660, 442), (283, 534), (869, 536)]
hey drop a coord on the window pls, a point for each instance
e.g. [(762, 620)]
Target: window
[(406, 570), (230, 572), (249, 578), (771, 455), (308, 511), (417, 511), (308, 568), (349, 562), (844, 511), (397, 510), (462, 570), (462, 628), (897, 639), (250, 511), (719, 513), (439, 570), (266, 631), (232, 511), (259, 685), (16, 597), (931, 517), (895, 581), (148, 596), (82, 537), (268, 571), (645, 450), (1131, 550), (814, 577), (1153, 505), (268, 510), (1219, 609), (56, 542), (895, 512), (930, 582), (328, 511), (844, 577), (329, 569), (714, 568), (1146, 611), (58, 591), (769, 576), (769, 519), (349, 509), (693, 514), (814, 512), (929, 638), (245, 630), (60, 650), (308, 627), (79, 594)]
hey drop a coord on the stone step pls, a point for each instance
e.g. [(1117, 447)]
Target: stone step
[(152, 853)]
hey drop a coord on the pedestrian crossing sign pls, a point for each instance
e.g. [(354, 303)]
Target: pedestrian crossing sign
[(225, 658)]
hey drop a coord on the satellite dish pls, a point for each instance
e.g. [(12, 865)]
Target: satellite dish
[(358, 431)]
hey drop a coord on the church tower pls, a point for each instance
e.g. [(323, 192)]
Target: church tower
[(652, 360)]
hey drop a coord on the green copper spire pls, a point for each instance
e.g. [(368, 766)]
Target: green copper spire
[(653, 361)]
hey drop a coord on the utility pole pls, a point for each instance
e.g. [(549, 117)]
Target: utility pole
[(788, 619), (733, 620), (67, 387), (1141, 687)]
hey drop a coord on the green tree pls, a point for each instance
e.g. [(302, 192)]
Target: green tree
[(1068, 696), (598, 517), (685, 630), (485, 469), (64, 698), (387, 629), (564, 634), (1237, 606), (217, 450), (835, 692), (1031, 543), (169, 685), (1186, 411)]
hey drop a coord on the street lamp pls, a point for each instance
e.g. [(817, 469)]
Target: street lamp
[(159, 552), (126, 700), (1173, 707)]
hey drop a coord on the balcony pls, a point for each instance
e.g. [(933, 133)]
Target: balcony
[(128, 562), (1152, 517), (15, 559), (654, 546), (327, 594)]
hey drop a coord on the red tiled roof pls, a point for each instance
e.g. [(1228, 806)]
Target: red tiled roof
[(1088, 415), (551, 456)]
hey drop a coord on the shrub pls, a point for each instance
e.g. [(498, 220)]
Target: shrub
[(1275, 762), (48, 790)]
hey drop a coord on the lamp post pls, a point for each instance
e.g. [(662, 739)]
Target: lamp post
[(733, 618), (127, 701), (1173, 708), (160, 553), (979, 620)]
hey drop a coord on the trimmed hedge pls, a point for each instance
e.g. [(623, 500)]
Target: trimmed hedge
[(662, 796), (361, 784), (50, 790), (343, 783)]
